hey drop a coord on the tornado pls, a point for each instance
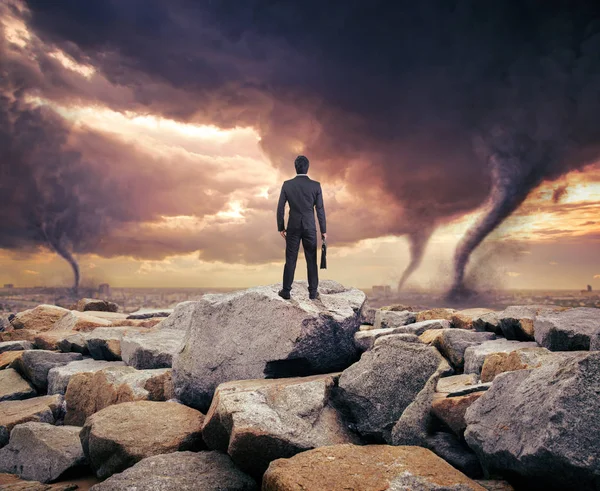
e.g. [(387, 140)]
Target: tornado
[(417, 242)]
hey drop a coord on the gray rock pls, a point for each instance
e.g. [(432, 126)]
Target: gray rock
[(542, 424), (181, 318), (150, 313), (104, 343), (452, 343), (258, 421), (14, 387), (58, 377), (571, 330), (15, 346), (74, 343), (378, 388), (152, 349), (475, 355), (391, 318), (45, 409), (516, 322), (367, 314), (181, 471), (365, 340), (415, 328), (595, 342), (255, 333), (34, 365), (456, 453), (41, 451), (489, 321)]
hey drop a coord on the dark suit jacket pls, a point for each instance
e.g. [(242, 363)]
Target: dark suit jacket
[(303, 194)]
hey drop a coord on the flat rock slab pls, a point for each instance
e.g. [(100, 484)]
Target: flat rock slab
[(8, 357), (43, 409), (42, 451), (517, 321), (50, 340), (121, 435), (258, 421), (150, 313), (385, 319), (521, 359), (15, 346), (470, 318), (433, 314), (475, 355), (40, 318), (80, 321), (90, 392), (152, 349), (456, 383), (181, 471), (58, 377), (542, 425), (377, 389), (370, 467), (365, 340), (255, 333), (10, 482), (452, 343), (571, 330), (14, 387), (34, 365)]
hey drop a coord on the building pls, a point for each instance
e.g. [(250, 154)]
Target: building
[(9, 286), (381, 290), (104, 290)]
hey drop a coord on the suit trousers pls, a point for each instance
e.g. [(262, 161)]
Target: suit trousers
[(308, 236)]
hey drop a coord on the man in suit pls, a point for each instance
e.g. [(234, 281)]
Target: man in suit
[(303, 195)]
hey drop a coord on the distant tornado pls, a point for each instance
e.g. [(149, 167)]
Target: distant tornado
[(417, 242)]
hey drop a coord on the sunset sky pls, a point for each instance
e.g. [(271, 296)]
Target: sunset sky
[(152, 138)]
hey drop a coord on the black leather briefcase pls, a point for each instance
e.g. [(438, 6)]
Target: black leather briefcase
[(324, 255)]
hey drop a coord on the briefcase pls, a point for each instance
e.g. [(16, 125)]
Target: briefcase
[(324, 255)]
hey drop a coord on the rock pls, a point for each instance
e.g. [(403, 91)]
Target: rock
[(40, 318), (255, 333), (74, 343), (451, 410), (10, 482), (371, 467), (78, 321), (489, 321), (378, 388), (452, 343), (150, 313), (520, 359), (434, 314), (594, 342), (456, 453), (34, 365), (456, 383), (542, 425), (14, 387), (465, 319), (18, 335), (392, 318), (86, 304), (429, 336), (571, 330), (494, 485), (181, 318), (8, 357), (58, 377), (258, 421), (90, 392), (181, 471), (367, 314), (475, 355), (105, 343), (516, 322), (114, 317), (44, 409), (367, 337), (49, 340), (41, 451), (15, 346), (118, 436), (152, 349), (365, 340)]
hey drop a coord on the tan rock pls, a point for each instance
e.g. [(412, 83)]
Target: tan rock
[(13, 386), (96, 304), (9, 357), (137, 322), (104, 343), (10, 482), (41, 318), (438, 313), (430, 336), (50, 340), (521, 359), (451, 410), (456, 383), (88, 393), (464, 319), (18, 335), (371, 467), (80, 321), (12, 413), (118, 436)]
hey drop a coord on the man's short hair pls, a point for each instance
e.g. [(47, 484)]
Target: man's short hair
[(301, 164)]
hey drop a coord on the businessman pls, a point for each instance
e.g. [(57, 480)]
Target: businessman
[(303, 195)]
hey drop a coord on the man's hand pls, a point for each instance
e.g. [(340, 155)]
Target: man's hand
[(282, 233), (324, 236)]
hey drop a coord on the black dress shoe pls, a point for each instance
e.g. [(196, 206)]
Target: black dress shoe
[(314, 296), (284, 294)]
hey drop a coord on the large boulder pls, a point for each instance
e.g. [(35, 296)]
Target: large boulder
[(452, 343), (520, 359), (152, 349), (571, 330), (13, 386), (258, 421), (377, 389), (90, 392), (96, 304), (15, 346), (45, 409), (542, 425), (516, 321), (58, 377), (118, 436), (40, 318), (475, 355), (34, 365), (181, 471), (255, 333), (370, 467), (42, 451)]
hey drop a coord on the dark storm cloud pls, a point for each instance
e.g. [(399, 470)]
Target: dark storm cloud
[(441, 105)]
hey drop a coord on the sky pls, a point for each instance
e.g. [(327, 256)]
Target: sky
[(148, 140)]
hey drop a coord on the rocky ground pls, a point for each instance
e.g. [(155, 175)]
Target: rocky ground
[(247, 391)]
